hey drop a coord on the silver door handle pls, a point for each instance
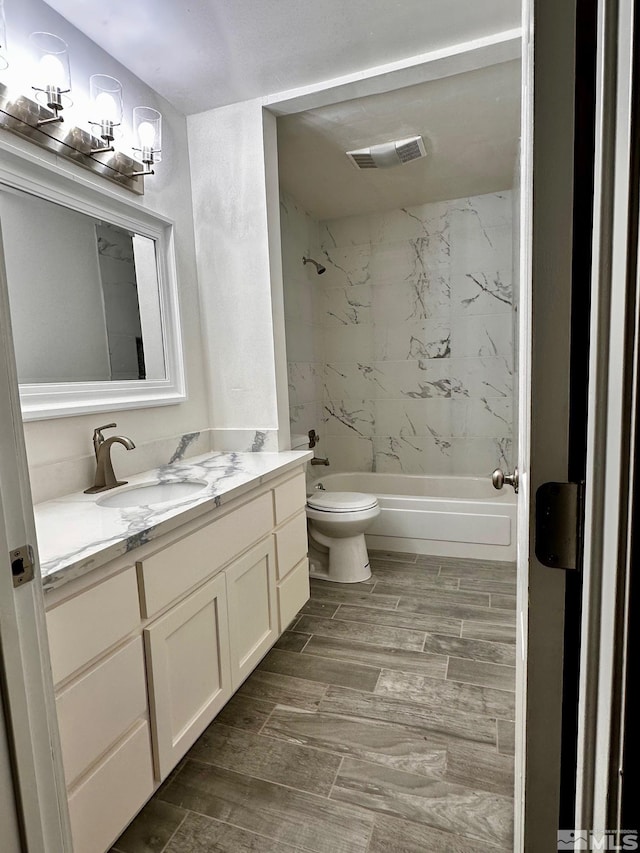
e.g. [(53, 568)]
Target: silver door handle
[(499, 478)]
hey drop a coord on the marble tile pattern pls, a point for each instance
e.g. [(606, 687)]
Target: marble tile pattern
[(366, 730), (416, 358), (76, 534)]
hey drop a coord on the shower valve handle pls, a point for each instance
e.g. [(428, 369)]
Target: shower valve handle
[(499, 478)]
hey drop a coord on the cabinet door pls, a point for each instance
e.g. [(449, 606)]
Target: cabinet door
[(253, 614), (188, 667)]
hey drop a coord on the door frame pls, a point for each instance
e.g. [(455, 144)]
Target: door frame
[(613, 394), (28, 696)]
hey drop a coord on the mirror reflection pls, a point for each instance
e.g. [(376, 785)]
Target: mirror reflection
[(83, 293)]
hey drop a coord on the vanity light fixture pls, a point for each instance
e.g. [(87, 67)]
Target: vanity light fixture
[(52, 74), (147, 130), (106, 108), (4, 62), (37, 118)]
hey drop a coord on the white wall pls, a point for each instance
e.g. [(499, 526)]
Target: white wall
[(60, 452), (237, 269)]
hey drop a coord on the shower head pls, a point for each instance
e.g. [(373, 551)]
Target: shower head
[(319, 268)]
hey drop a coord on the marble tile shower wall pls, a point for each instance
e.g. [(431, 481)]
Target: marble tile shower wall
[(418, 338), (415, 357)]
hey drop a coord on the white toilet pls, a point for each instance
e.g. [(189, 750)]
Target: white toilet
[(336, 523)]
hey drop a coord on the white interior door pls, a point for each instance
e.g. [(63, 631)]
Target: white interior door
[(29, 709)]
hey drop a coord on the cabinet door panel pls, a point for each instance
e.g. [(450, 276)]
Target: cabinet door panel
[(253, 618), (189, 675)]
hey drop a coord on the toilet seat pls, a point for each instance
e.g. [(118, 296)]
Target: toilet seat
[(339, 502)]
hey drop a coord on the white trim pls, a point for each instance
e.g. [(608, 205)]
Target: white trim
[(56, 400)]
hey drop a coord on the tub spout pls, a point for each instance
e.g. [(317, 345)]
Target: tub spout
[(318, 460)]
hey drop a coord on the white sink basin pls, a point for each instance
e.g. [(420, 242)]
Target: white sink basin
[(152, 493)]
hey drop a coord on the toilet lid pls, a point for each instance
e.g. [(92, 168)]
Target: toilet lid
[(341, 501)]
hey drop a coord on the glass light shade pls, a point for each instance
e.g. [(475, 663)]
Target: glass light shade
[(106, 103), (51, 72), (4, 61), (147, 132)]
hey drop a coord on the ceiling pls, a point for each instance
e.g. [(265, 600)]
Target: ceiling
[(470, 123), (202, 54)]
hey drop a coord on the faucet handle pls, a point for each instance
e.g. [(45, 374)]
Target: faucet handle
[(314, 438), (98, 437)]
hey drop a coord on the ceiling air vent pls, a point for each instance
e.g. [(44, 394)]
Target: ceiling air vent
[(389, 154)]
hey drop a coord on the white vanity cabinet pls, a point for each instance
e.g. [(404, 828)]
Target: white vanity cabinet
[(144, 656)]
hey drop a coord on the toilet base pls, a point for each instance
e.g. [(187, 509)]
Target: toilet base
[(346, 561)]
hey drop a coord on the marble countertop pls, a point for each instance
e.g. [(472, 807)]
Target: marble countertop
[(76, 534)]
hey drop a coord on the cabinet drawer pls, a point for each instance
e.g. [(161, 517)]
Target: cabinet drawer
[(291, 544), (293, 592), (173, 571), (85, 626), (106, 800), (290, 497), (97, 709)]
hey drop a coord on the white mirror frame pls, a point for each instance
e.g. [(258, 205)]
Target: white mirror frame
[(65, 399)]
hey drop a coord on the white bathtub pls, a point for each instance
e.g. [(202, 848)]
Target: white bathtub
[(443, 516)]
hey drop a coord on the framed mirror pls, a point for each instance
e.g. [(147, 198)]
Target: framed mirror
[(93, 301)]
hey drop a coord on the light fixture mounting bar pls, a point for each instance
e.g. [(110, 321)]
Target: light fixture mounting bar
[(27, 119)]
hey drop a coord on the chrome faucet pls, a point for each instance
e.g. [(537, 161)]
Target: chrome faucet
[(105, 477)]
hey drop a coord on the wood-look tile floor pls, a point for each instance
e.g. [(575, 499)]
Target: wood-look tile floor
[(381, 722)]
